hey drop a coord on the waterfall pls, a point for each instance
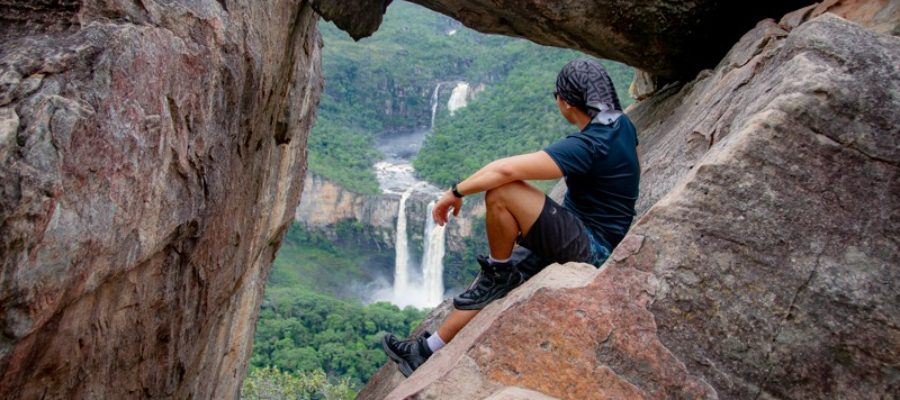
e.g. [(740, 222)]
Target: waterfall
[(422, 284), (401, 263), (432, 261), (458, 97), (434, 104)]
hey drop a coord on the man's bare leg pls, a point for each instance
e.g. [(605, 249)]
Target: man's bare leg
[(511, 208), (455, 322)]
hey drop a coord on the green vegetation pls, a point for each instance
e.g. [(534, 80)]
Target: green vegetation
[(515, 116), (385, 82), (343, 154), (315, 262), (305, 332), (274, 384)]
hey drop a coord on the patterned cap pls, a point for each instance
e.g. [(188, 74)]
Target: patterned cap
[(585, 84)]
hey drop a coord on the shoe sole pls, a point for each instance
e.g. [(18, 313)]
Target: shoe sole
[(405, 369), (483, 303)]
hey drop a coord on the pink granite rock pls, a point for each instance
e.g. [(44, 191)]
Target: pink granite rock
[(151, 157)]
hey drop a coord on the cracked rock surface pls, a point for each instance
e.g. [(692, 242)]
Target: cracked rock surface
[(151, 157), (765, 258)]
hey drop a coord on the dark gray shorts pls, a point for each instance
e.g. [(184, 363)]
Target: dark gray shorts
[(559, 236)]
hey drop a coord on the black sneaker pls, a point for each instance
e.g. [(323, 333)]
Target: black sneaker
[(409, 354), (493, 282), (531, 266)]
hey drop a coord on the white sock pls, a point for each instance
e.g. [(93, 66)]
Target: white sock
[(435, 342), (496, 261)]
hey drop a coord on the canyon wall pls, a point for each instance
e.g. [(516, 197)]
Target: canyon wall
[(151, 157), (325, 204), (763, 260), (329, 209)]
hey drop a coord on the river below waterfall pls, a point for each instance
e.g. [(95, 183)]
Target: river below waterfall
[(395, 172), (417, 282)]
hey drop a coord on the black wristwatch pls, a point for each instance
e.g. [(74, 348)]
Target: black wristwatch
[(456, 191)]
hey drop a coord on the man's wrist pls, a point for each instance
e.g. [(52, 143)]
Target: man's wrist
[(455, 190)]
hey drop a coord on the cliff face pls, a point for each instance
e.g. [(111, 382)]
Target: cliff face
[(151, 157), (325, 206), (763, 260)]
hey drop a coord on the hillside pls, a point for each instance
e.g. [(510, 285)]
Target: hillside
[(385, 83)]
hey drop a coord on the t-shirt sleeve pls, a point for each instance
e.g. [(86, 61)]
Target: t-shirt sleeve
[(573, 155)]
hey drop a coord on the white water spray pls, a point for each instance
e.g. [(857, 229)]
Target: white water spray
[(401, 263), (458, 97), (420, 287), (434, 104), (433, 260)]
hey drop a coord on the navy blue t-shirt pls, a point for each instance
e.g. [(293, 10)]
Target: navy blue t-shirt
[(602, 174)]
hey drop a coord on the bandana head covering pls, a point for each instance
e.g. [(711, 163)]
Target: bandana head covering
[(585, 84)]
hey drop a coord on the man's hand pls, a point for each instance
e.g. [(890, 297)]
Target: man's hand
[(442, 208)]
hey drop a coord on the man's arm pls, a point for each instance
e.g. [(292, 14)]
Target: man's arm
[(532, 166), (536, 166)]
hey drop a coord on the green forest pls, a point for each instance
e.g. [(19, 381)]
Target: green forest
[(316, 340), (515, 116), (384, 83), (304, 328)]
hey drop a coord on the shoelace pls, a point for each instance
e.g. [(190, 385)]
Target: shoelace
[(406, 346), (483, 282)]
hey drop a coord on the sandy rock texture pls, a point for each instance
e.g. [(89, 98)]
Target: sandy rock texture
[(325, 204), (670, 39), (764, 260), (151, 157)]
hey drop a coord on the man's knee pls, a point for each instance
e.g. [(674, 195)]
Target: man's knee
[(501, 194)]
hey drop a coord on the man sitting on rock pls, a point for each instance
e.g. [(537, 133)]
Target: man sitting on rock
[(601, 168)]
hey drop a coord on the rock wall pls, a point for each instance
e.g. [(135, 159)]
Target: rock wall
[(763, 262), (325, 206), (151, 157)]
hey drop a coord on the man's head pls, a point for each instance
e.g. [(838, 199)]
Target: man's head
[(585, 85)]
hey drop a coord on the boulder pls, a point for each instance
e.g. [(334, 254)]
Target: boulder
[(151, 157), (359, 18), (764, 258)]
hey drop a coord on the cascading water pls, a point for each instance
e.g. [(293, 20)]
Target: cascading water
[(401, 260), (433, 260), (420, 287), (434, 104), (458, 98)]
